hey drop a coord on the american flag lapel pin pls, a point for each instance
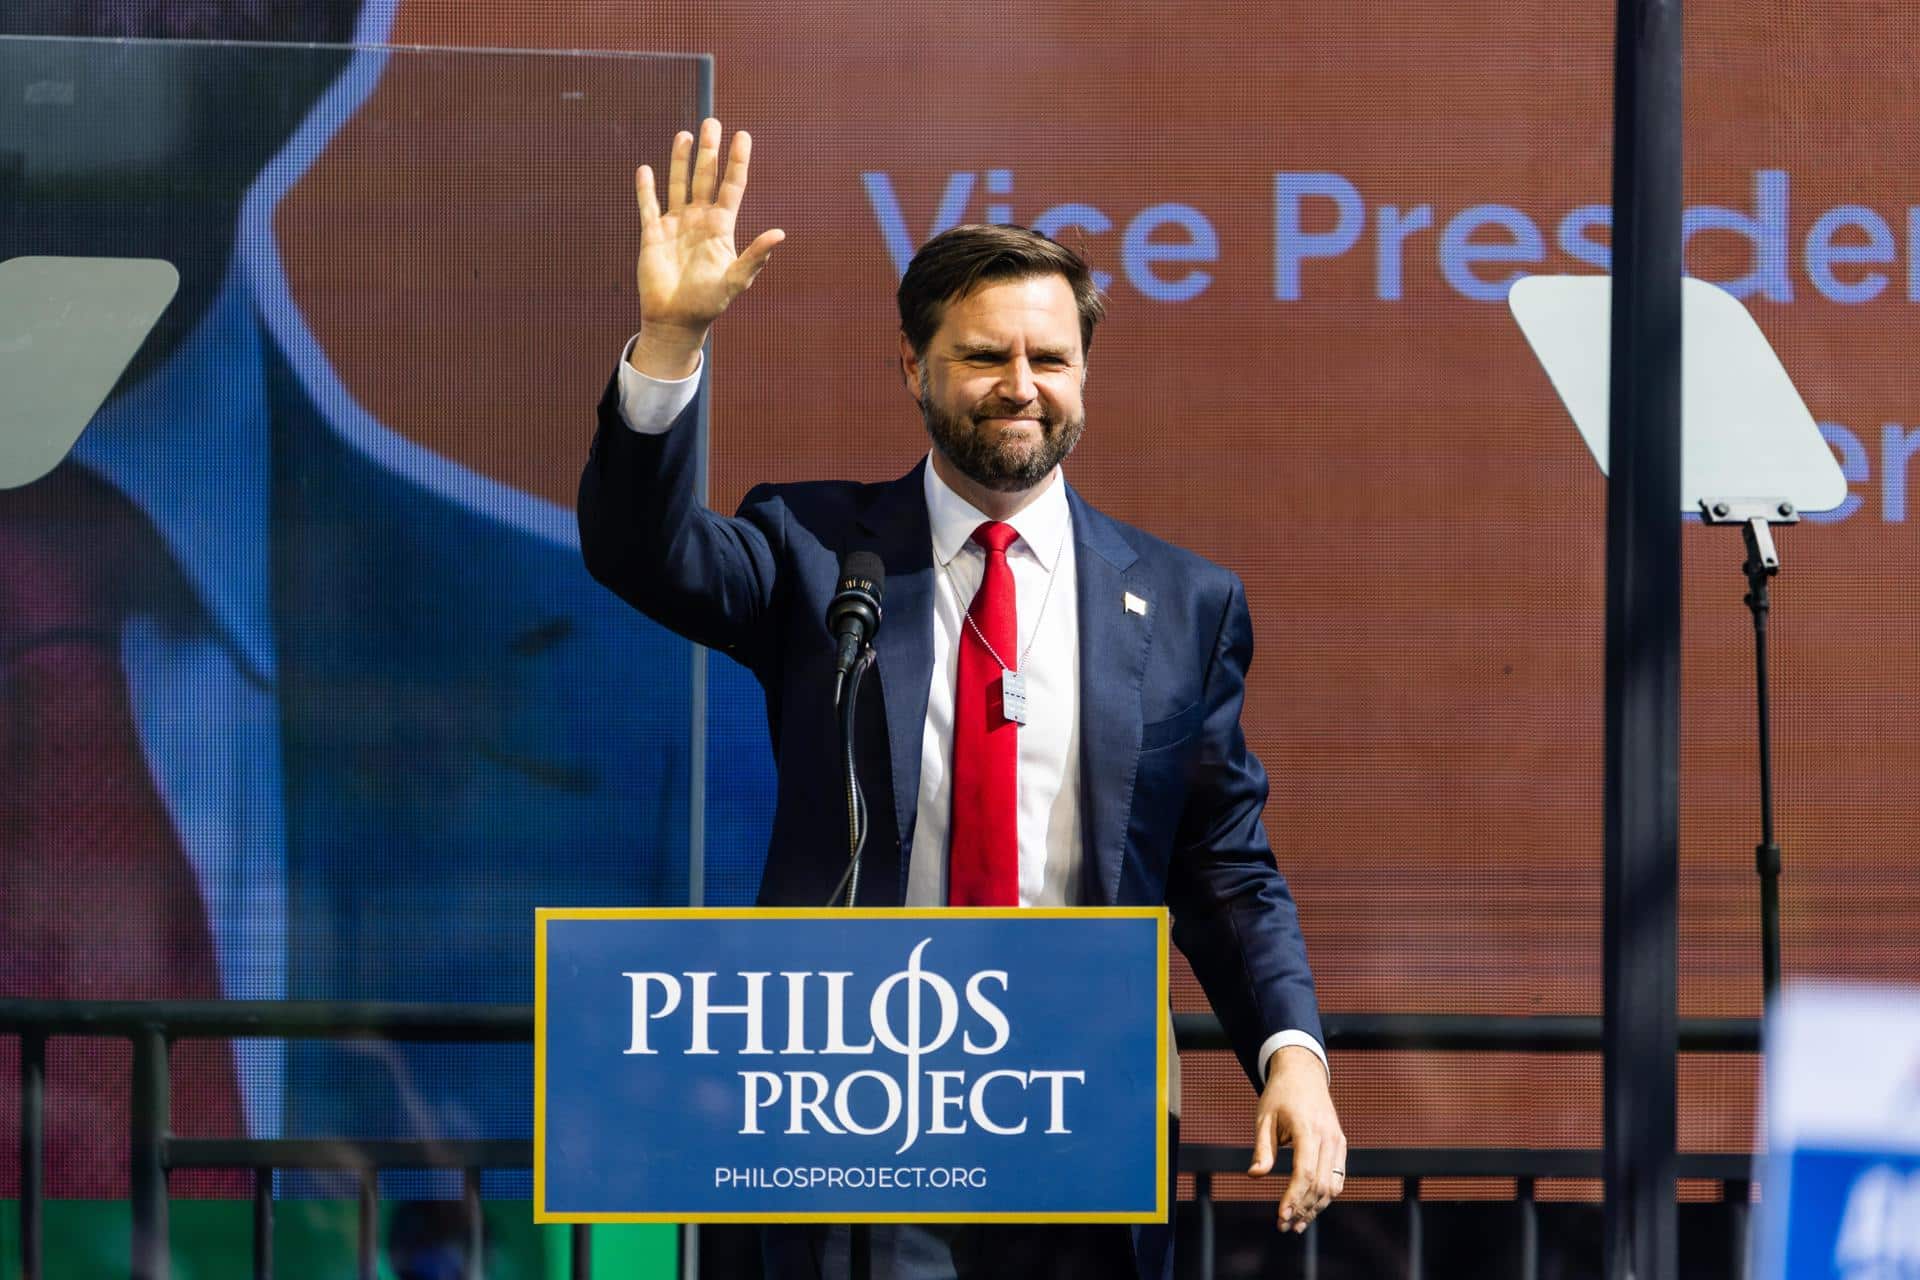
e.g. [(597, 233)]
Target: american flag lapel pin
[(1134, 603)]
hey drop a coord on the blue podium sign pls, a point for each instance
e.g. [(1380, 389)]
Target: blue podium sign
[(997, 1065), (1841, 1192), (1855, 1216)]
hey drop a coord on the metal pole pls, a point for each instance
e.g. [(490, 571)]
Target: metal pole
[(1529, 1230), (1416, 1232), (697, 668), (33, 1151), (263, 1223), (1766, 854), (581, 1258), (698, 704), (689, 1251), (368, 1253), (1643, 649), (1739, 1197), (1203, 1203), (476, 1220), (146, 1172)]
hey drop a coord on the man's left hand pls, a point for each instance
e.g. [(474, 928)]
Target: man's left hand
[(1297, 1110)]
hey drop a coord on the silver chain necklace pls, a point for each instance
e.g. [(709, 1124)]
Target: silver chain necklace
[(1013, 684)]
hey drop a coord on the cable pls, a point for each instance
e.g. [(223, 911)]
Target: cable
[(849, 699)]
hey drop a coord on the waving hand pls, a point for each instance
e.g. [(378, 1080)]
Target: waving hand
[(688, 270)]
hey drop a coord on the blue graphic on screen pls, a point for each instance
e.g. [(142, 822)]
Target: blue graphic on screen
[(301, 709)]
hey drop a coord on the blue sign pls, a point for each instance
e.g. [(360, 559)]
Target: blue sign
[(1841, 1189), (846, 1066), (1856, 1215)]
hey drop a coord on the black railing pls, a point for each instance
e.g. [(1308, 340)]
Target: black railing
[(154, 1151)]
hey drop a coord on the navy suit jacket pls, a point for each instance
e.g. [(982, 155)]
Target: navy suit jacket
[(1171, 796)]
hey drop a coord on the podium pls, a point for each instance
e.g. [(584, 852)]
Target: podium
[(738, 1065)]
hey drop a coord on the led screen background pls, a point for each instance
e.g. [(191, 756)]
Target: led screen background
[(1309, 214), (1372, 448)]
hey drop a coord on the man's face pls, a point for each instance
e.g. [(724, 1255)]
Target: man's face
[(1000, 382)]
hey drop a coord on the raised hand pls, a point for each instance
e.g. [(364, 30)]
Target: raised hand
[(688, 270)]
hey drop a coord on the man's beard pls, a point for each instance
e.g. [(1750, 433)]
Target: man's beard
[(994, 462)]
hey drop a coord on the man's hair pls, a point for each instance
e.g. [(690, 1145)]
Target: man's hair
[(955, 263)]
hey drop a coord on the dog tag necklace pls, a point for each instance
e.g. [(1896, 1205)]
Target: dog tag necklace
[(1013, 684)]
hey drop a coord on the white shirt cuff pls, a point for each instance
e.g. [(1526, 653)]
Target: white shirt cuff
[(649, 405), (1280, 1040)]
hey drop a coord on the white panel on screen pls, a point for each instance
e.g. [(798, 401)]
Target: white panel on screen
[(68, 329), (1746, 433)]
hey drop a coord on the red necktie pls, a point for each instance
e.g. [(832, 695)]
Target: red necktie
[(97, 899), (983, 868)]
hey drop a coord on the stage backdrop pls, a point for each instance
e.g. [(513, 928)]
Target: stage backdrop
[(1307, 217)]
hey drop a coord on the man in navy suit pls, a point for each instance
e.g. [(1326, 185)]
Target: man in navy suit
[(1058, 696)]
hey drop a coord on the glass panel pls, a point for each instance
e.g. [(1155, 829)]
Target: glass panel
[(309, 694)]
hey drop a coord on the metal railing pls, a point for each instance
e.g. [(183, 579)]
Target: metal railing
[(151, 1026), (1472, 1034)]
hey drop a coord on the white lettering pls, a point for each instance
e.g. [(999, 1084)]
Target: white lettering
[(1880, 1232), (988, 1011), (753, 1102), (796, 1012), (1057, 1080), (844, 1111), (837, 1017), (800, 1104), (642, 1013), (753, 1011), (977, 1106), (943, 1102)]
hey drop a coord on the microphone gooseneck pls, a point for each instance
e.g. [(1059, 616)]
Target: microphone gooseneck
[(853, 617)]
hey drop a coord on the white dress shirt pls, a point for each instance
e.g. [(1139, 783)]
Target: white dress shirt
[(1048, 618)]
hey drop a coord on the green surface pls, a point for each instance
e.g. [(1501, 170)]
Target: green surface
[(87, 1240)]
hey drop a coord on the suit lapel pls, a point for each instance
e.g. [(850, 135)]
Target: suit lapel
[(1113, 663), (1113, 660), (896, 523)]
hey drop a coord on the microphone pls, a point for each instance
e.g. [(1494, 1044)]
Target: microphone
[(854, 614)]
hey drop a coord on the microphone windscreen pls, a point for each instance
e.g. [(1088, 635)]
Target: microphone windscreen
[(862, 571)]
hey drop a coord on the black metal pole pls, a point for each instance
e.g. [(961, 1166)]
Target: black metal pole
[(1203, 1205), (582, 1253), (147, 1173), (33, 1151), (1766, 854), (476, 1219), (1643, 649), (368, 1251), (1529, 1229), (263, 1223), (1416, 1230), (1739, 1197)]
